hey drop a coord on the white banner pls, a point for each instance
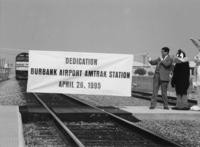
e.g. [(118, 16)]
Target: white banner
[(79, 73)]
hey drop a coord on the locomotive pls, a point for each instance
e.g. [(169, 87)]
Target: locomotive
[(21, 66)]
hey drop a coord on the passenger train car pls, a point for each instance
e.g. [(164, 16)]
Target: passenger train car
[(21, 66)]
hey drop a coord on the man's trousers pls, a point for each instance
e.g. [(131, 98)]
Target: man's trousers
[(156, 85)]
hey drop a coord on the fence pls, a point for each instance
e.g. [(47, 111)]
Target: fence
[(145, 84), (4, 73)]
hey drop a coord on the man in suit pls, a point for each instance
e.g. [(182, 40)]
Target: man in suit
[(161, 76)]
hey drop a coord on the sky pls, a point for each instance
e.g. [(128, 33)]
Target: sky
[(105, 26)]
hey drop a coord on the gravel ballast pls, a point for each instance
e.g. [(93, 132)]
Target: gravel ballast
[(114, 100), (184, 132)]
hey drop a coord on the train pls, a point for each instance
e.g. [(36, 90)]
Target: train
[(21, 66)]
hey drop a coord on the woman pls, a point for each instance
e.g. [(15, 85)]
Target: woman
[(180, 80), (196, 82)]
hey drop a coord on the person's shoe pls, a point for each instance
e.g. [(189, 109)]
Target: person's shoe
[(175, 108), (166, 108), (151, 107), (185, 108)]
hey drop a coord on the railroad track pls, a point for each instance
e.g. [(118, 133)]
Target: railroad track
[(171, 99), (112, 131)]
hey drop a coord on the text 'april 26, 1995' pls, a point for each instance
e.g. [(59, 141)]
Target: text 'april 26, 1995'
[(80, 84)]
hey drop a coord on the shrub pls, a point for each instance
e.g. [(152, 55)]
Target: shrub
[(150, 73), (140, 71)]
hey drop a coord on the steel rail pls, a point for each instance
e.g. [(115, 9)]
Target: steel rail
[(74, 138), (148, 132)]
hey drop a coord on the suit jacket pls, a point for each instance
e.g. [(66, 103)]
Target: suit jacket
[(163, 67)]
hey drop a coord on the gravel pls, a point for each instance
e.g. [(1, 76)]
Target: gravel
[(40, 134), (184, 132), (11, 93), (114, 100)]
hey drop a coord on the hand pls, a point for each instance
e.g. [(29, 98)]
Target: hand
[(196, 57), (176, 60), (149, 59)]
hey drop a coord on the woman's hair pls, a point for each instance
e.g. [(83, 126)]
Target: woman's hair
[(181, 54)]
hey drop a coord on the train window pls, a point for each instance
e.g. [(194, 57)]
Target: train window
[(22, 57)]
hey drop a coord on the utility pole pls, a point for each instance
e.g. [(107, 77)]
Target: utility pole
[(144, 60), (144, 56)]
